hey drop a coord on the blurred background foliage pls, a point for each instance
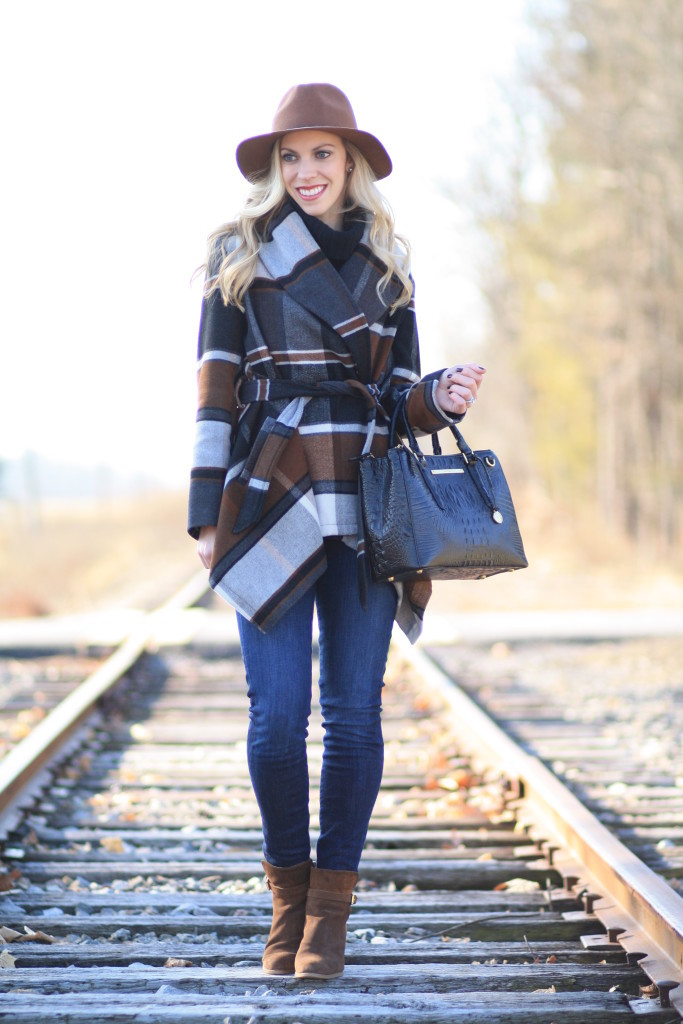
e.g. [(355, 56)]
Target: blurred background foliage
[(581, 210)]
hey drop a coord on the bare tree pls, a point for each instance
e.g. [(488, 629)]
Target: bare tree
[(588, 276)]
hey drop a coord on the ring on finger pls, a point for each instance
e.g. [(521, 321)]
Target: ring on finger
[(471, 401)]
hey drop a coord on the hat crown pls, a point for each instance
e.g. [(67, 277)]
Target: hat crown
[(313, 106)]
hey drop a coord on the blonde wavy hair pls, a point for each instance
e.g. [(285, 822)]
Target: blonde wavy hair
[(233, 248)]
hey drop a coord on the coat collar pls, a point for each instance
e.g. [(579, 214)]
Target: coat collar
[(347, 300)]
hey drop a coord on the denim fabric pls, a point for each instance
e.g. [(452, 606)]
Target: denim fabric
[(353, 645)]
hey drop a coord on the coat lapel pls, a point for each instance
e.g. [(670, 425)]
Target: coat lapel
[(346, 302)]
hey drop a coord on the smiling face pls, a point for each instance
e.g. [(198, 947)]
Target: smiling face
[(314, 167)]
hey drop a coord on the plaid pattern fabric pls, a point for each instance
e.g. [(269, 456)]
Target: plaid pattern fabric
[(276, 475)]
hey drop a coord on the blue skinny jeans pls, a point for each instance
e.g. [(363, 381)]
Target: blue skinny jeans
[(353, 646)]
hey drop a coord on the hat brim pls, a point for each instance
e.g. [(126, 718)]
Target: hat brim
[(253, 155)]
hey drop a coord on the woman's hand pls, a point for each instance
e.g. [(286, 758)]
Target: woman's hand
[(207, 539), (458, 386)]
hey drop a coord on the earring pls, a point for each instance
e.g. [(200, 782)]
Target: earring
[(349, 169)]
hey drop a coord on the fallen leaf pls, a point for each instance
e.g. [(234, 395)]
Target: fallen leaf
[(38, 936), (438, 761), (19, 730), (8, 934), (464, 778), (31, 715), (520, 885), (7, 961), (140, 732), (112, 844), (7, 881), (176, 961)]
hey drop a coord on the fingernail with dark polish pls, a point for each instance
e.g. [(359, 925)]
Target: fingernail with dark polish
[(458, 369)]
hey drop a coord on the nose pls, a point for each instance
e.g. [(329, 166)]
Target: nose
[(307, 169)]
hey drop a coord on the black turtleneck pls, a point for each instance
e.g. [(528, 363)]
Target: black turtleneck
[(336, 245)]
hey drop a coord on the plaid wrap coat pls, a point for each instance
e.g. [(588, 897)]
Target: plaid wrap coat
[(277, 474)]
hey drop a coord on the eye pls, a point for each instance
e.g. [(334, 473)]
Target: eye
[(322, 154), (288, 158)]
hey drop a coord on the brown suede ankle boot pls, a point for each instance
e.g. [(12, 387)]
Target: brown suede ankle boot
[(330, 897), (289, 887)]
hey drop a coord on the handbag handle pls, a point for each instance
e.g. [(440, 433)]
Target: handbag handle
[(470, 458), (400, 412)]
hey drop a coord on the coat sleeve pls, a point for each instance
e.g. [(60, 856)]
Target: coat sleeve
[(220, 354), (424, 415)]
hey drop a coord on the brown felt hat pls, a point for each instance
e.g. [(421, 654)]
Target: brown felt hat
[(320, 106)]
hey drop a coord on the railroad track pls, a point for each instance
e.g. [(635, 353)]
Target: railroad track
[(616, 745), (133, 887), (31, 686)]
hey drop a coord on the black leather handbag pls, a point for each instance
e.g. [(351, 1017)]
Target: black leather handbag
[(442, 517)]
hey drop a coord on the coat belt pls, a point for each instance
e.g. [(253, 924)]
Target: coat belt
[(274, 433), (264, 389)]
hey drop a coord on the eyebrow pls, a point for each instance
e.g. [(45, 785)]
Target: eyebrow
[(321, 145)]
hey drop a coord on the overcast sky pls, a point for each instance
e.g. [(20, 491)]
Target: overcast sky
[(120, 124)]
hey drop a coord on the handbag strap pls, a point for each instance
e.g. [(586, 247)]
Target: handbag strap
[(414, 449)]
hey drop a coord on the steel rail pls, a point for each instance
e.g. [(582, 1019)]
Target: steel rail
[(23, 762), (638, 904)]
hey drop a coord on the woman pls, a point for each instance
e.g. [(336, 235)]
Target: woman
[(307, 339)]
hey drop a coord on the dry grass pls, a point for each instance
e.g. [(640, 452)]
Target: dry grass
[(83, 555), (135, 552)]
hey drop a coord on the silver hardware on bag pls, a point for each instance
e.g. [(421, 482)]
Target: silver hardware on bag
[(436, 472), (490, 461), (497, 516)]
